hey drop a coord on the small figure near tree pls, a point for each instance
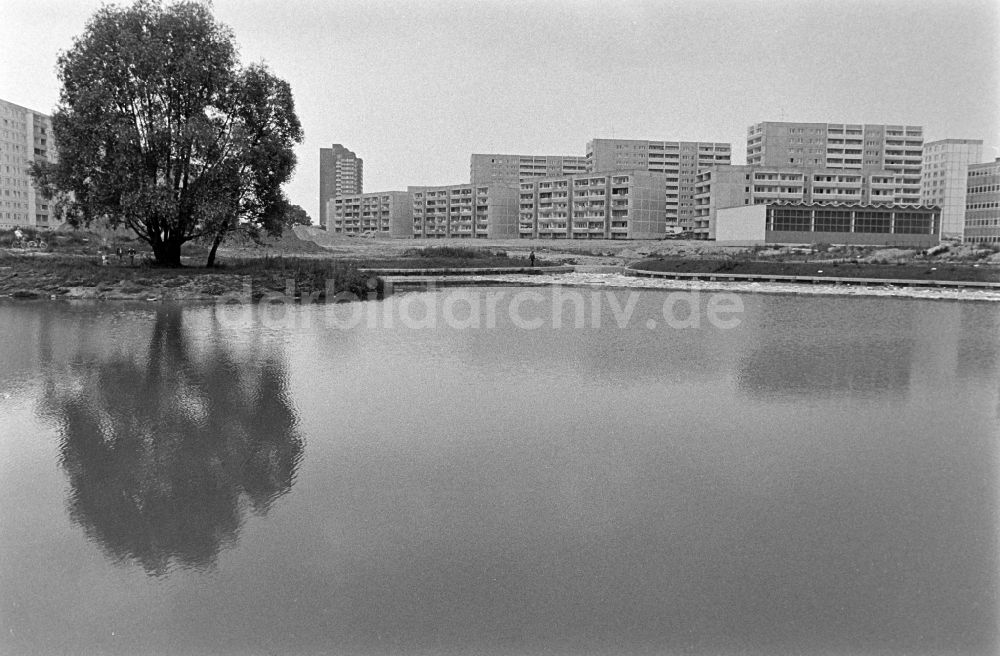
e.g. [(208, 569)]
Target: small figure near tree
[(162, 130)]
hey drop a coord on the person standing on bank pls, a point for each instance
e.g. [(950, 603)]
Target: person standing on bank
[(531, 257)]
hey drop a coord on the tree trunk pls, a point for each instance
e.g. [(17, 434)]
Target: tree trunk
[(168, 253), (215, 246)]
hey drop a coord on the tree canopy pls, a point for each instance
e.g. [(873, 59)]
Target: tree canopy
[(297, 216), (161, 129)]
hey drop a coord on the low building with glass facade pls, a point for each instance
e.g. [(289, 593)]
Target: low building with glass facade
[(464, 211), (376, 214), (613, 205), (982, 203), (904, 226)]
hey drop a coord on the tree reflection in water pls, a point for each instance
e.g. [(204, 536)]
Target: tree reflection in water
[(166, 454)]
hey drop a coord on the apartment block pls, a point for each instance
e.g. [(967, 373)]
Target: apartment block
[(341, 173), (511, 169), (859, 147), (911, 226), (376, 214), (678, 161), (944, 178), (612, 205), (464, 211), (25, 136), (982, 203), (724, 187)]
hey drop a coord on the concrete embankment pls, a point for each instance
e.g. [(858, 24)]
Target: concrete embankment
[(397, 280), (815, 280), (887, 288), (465, 271)]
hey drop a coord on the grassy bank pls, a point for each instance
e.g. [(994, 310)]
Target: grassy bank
[(909, 270), (69, 264), (434, 257), (75, 276), (76, 272)]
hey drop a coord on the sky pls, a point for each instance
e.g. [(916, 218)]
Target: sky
[(415, 87)]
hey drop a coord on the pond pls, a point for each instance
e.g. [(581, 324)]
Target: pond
[(447, 472)]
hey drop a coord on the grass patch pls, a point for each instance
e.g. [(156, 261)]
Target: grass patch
[(19, 271), (456, 252), (881, 269), (309, 275), (451, 263)]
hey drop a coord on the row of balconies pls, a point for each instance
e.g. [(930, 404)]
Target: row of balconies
[(787, 177), (838, 180), (782, 192), (356, 224)]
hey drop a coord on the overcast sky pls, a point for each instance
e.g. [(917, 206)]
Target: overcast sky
[(415, 87)]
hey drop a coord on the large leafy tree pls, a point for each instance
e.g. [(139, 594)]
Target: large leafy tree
[(161, 129)]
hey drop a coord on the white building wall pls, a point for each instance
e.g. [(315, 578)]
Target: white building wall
[(741, 224), (944, 179)]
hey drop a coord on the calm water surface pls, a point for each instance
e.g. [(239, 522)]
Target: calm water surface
[(820, 480)]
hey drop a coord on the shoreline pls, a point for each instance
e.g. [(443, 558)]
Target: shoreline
[(571, 280), (74, 278), (620, 281)]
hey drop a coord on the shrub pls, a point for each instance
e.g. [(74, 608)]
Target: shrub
[(445, 251)]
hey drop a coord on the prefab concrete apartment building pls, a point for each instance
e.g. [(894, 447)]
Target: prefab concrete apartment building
[(341, 173), (464, 211), (944, 178), (25, 136), (724, 187), (610, 205), (511, 169), (982, 203), (377, 214), (859, 147), (678, 161)]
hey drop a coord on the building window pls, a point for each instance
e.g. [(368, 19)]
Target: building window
[(871, 221), (788, 219), (832, 221), (914, 223)]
